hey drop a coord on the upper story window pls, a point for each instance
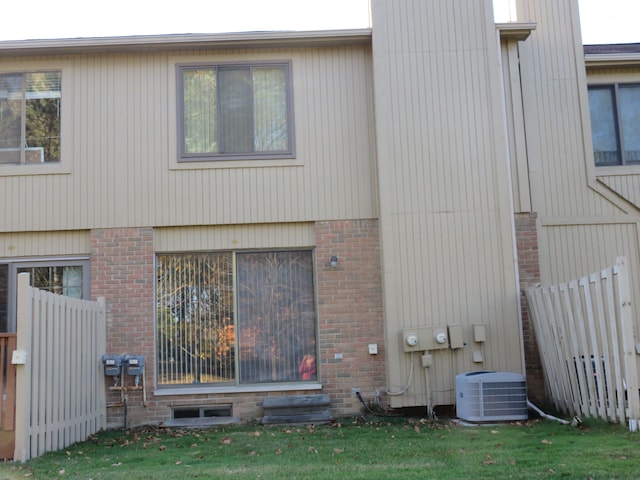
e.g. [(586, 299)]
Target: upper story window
[(234, 111), (30, 117), (615, 124)]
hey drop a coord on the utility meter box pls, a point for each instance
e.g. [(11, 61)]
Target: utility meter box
[(134, 364), (424, 338), (112, 365)]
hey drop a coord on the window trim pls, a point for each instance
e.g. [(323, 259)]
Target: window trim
[(23, 123), (63, 167), (614, 87), (183, 158)]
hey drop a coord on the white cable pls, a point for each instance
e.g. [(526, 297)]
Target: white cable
[(406, 387)]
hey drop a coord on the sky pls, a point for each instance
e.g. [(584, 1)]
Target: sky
[(603, 21)]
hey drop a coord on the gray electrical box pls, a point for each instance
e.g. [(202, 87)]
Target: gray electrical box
[(134, 364), (112, 365)]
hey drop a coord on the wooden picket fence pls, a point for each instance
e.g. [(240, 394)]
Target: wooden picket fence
[(585, 335), (60, 395)]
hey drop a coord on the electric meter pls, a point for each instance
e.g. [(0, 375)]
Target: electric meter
[(411, 339)]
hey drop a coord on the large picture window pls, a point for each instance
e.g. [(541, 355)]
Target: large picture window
[(30, 117), (234, 111), (615, 124), (243, 318)]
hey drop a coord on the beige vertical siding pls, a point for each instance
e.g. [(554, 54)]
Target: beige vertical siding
[(445, 208), (563, 248), (234, 237), (40, 244), (119, 148), (627, 186), (556, 113), (584, 224), (564, 245), (515, 126)]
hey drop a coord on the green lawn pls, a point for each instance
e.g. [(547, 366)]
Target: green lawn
[(357, 448)]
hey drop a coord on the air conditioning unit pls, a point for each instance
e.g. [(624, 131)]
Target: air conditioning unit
[(491, 396)]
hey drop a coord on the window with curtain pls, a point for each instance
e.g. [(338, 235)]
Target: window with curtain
[(234, 111), (236, 318), (615, 124), (30, 117)]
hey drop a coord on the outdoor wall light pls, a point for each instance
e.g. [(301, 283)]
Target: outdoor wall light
[(333, 261)]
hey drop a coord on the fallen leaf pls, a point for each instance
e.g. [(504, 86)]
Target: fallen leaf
[(494, 431), (489, 460), (116, 464), (226, 441), (252, 453), (278, 451), (179, 462), (416, 429), (61, 472), (338, 450), (547, 442)]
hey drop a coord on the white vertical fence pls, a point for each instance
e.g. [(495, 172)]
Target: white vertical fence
[(585, 335), (60, 395)]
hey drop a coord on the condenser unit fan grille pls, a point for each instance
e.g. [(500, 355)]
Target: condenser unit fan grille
[(491, 396)]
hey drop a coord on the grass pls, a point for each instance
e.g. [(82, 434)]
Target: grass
[(358, 448)]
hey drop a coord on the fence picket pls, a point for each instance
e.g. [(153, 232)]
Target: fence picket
[(576, 374)]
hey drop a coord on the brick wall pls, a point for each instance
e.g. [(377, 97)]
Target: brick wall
[(122, 271), (349, 315), (529, 271), (350, 310)]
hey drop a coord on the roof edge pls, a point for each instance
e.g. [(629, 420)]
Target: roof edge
[(184, 41), (611, 60), (519, 31)]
